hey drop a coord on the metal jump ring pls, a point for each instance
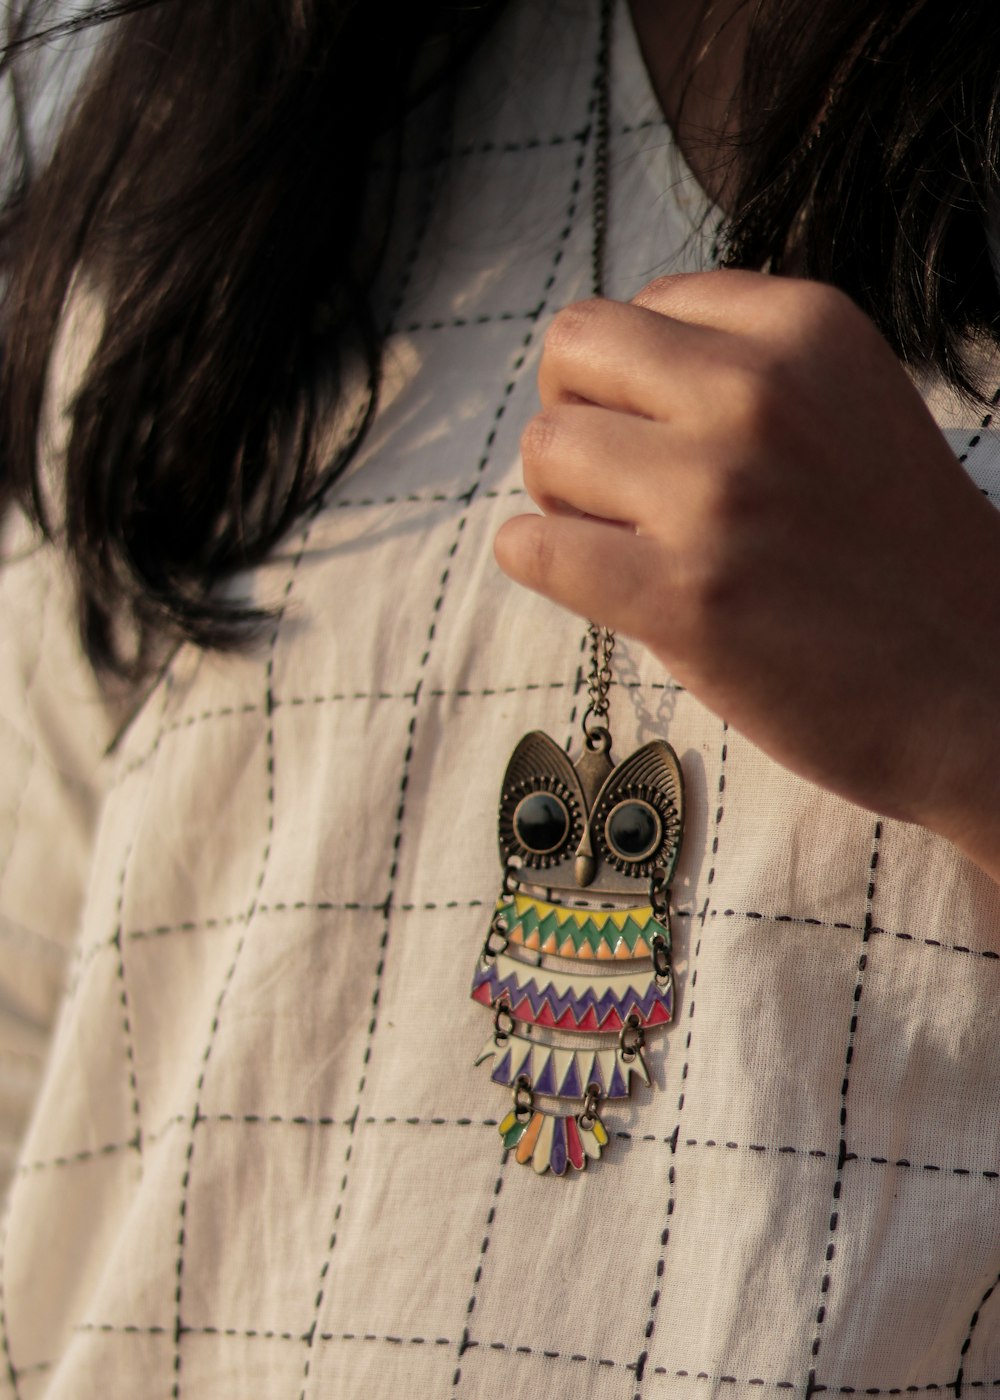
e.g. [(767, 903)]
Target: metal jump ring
[(661, 958), (631, 1038), (524, 1099), (588, 1117)]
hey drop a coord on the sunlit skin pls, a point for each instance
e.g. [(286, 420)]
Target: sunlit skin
[(735, 470)]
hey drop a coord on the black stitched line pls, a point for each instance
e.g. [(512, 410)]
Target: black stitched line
[(380, 966), (351, 906), (987, 953), (124, 1329), (133, 765), (531, 143), (374, 1337), (118, 945), (434, 498), (983, 425), (821, 1154), (383, 1338), (461, 322), (466, 1342), (654, 1301), (297, 1120), (784, 919), (959, 1380), (820, 1389), (196, 1115), (413, 1120), (843, 1157), (254, 1334), (230, 711), (445, 155), (280, 907)]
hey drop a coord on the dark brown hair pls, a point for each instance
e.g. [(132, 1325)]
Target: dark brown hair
[(209, 183)]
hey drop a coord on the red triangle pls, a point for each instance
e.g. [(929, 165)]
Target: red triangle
[(612, 1021), (544, 1017), (567, 1021), (589, 1020), (482, 993), (574, 1147), (658, 1016)]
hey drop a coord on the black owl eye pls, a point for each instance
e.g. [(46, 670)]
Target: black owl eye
[(541, 822), (633, 830)]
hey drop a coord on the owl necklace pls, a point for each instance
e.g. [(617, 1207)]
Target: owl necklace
[(576, 965)]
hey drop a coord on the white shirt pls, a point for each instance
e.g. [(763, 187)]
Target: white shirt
[(261, 1161)]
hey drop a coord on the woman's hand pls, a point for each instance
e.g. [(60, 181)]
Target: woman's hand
[(736, 471)]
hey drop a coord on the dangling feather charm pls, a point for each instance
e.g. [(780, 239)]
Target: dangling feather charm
[(576, 962)]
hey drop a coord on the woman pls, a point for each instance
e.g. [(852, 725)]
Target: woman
[(261, 1158)]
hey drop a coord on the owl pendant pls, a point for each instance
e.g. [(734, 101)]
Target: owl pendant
[(576, 964)]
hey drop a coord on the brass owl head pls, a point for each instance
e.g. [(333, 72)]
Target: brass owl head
[(591, 825)]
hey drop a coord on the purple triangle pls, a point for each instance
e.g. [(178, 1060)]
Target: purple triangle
[(524, 1067), (557, 1154), (596, 1076), (570, 1087), (618, 1088), (546, 1082), (501, 1072)]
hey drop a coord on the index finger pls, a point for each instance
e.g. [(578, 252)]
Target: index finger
[(626, 357)]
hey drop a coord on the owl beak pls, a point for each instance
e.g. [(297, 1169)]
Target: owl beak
[(585, 866)]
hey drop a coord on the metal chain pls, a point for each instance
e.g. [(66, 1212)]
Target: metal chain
[(595, 717), (596, 731), (602, 144)]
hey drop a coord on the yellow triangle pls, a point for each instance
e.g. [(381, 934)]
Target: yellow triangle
[(581, 916), (621, 918)]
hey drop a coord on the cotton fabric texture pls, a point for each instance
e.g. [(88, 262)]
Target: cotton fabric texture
[(260, 1160)]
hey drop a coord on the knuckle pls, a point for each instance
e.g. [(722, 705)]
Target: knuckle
[(538, 552), (758, 396), (823, 307), (572, 326), (735, 497), (713, 591), (654, 294), (537, 441)]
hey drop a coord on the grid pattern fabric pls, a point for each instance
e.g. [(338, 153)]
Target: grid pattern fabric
[(260, 1161)]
